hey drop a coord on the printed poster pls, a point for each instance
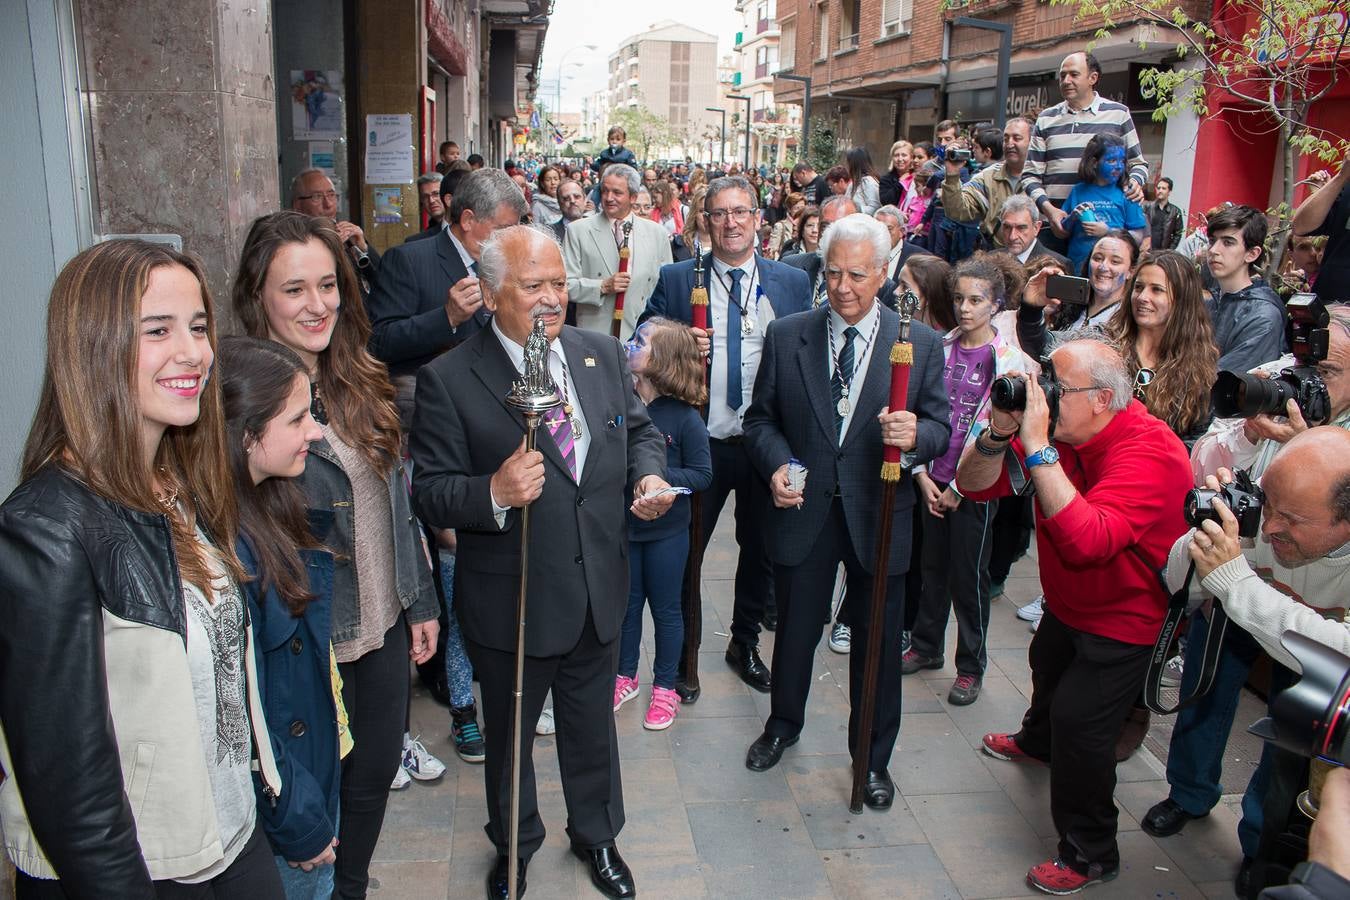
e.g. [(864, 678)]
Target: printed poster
[(388, 205), (390, 152), (316, 105)]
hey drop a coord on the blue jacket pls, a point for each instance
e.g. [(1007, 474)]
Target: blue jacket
[(787, 289), (688, 464), (297, 695)]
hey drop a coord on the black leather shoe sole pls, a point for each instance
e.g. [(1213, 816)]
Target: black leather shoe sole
[(1166, 819), (620, 886)]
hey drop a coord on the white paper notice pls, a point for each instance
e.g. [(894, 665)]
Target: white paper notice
[(389, 149)]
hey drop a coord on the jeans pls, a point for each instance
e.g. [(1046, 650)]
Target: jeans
[(302, 885), (458, 669), (1195, 755), (654, 574)]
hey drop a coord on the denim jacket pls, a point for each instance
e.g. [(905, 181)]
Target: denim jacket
[(327, 488)]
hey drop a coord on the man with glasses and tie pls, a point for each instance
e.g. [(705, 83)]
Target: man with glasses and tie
[(313, 194), (821, 400), (745, 293)]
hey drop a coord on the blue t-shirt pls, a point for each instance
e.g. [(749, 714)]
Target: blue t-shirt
[(1110, 207)]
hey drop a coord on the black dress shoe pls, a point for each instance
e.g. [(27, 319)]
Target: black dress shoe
[(879, 790), (496, 880), (766, 751), (751, 669), (686, 693), (609, 872), (1167, 818)]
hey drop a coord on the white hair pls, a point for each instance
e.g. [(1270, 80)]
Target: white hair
[(627, 173), (1020, 203), (493, 264), (1105, 366), (859, 228)]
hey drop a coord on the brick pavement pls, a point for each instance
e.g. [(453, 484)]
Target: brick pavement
[(701, 825)]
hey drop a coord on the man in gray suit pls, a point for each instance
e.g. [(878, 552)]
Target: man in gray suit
[(472, 474), (591, 252), (820, 397)]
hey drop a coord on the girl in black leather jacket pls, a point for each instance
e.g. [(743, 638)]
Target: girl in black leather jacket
[(120, 610)]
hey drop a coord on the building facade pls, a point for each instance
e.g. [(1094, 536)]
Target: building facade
[(773, 130), (671, 70)]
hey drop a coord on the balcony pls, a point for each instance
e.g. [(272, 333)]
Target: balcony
[(761, 70), (847, 42), (761, 26)]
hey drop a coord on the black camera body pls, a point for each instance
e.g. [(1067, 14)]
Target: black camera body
[(1244, 395), (1009, 394), (1244, 498)]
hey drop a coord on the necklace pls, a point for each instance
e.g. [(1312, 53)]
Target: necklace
[(747, 320), (844, 404), (169, 501)]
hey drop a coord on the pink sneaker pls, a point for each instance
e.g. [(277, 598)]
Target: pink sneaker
[(665, 706), (625, 689)]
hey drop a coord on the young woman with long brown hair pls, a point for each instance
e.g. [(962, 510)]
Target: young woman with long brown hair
[(295, 287), (123, 616)]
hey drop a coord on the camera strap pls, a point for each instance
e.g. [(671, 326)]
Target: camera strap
[(1209, 664)]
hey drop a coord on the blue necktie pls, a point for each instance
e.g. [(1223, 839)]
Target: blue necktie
[(734, 395)]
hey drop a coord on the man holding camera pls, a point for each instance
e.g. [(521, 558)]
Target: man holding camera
[(1109, 494), (1295, 577)]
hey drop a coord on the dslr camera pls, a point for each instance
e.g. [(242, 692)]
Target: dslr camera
[(1009, 394), (1243, 498), (1311, 718), (1244, 396)]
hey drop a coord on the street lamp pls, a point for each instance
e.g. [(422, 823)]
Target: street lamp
[(804, 149), (747, 125), (558, 109), (723, 152)]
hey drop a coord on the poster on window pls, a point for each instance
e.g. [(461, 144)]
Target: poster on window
[(389, 149), (316, 104)]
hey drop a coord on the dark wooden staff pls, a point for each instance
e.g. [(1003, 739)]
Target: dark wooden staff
[(693, 589), (902, 360), (624, 253)]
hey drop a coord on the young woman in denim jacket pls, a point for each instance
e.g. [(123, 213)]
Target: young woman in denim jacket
[(296, 287)]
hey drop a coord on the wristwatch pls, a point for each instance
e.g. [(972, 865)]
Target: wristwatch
[(1046, 456)]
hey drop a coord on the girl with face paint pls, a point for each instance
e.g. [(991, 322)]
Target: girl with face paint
[(1097, 203)]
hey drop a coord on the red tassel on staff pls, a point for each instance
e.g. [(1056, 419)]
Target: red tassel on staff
[(624, 253), (902, 360)]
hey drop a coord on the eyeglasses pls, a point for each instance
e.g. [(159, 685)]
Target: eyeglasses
[(1142, 379), (643, 207), (320, 195), (1079, 390), (739, 214)]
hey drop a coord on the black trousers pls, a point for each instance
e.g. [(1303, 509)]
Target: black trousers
[(1013, 527), (956, 552), (375, 692), (803, 593), (252, 876), (1083, 686), (733, 471), (914, 577), (582, 681)]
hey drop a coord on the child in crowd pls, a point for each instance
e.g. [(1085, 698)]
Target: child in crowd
[(918, 200), (268, 431), (668, 370), (1097, 203)]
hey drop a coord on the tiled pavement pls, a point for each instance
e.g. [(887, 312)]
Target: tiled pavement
[(701, 825)]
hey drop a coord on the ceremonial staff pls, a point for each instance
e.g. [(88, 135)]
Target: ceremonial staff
[(902, 359), (693, 590), (624, 253), (534, 394)]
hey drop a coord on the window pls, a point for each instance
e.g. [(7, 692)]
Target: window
[(850, 14), (822, 31), (787, 45), (895, 16)]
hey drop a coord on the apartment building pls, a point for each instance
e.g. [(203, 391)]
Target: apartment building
[(671, 69), (773, 129)]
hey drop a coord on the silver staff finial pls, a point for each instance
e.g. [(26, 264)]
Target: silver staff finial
[(535, 392)]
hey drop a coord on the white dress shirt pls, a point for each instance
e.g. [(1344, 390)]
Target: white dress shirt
[(892, 262), (863, 344), (723, 421), (469, 261), (557, 368)]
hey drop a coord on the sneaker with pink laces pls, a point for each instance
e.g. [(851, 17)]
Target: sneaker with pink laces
[(1054, 876), (625, 689), (661, 712)]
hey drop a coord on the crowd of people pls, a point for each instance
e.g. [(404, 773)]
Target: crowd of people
[(226, 552)]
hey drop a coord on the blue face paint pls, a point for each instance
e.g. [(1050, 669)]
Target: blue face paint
[(1112, 166)]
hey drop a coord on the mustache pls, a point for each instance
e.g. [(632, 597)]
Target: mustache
[(545, 309)]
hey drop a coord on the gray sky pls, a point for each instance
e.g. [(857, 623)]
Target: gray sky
[(576, 23)]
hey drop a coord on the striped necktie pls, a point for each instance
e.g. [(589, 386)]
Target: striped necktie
[(843, 378), (560, 427)]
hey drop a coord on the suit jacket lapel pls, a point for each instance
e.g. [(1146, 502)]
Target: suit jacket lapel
[(451, 263), (589, 384), (603, 236), (811, 359), (495, 370), (876, 387)]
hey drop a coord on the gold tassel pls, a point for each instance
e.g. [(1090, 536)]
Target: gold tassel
[(890, 471), (698, 297), (902, 354), (618, 314), (624, 253)]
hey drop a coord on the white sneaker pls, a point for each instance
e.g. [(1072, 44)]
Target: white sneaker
[(1171, 674), (401, 779), (841, 638), (418, 761), (546, 725), (1033, 625), (1033, 610)]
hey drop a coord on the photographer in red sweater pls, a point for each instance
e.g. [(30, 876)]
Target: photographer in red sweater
[(1109, 493)]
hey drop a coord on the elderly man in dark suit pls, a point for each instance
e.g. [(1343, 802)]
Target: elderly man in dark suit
[(1020, 225), (472, 474), (821, 398), (745, 293), (831, 211), (428, 298)]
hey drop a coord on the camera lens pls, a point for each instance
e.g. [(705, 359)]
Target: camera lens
[(1311, 718), (1245, 396), (1198, 506), (1008, 394)]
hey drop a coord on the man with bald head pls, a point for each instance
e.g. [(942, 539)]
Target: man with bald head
[(1109, 481), (472, 473), (1296, 577), (820, 398), (1062, 133)]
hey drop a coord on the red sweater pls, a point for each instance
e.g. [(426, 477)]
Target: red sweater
[(1132, 480)]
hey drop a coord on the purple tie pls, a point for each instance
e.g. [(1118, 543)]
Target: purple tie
[(560, 427)]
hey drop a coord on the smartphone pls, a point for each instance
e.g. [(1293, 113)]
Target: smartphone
[(1067, 289)]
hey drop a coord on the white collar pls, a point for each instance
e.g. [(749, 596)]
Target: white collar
[(464, 255), (722, 268), (864, 325), (515, 351)]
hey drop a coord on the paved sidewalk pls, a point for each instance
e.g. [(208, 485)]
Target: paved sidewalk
[(701, 825)]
